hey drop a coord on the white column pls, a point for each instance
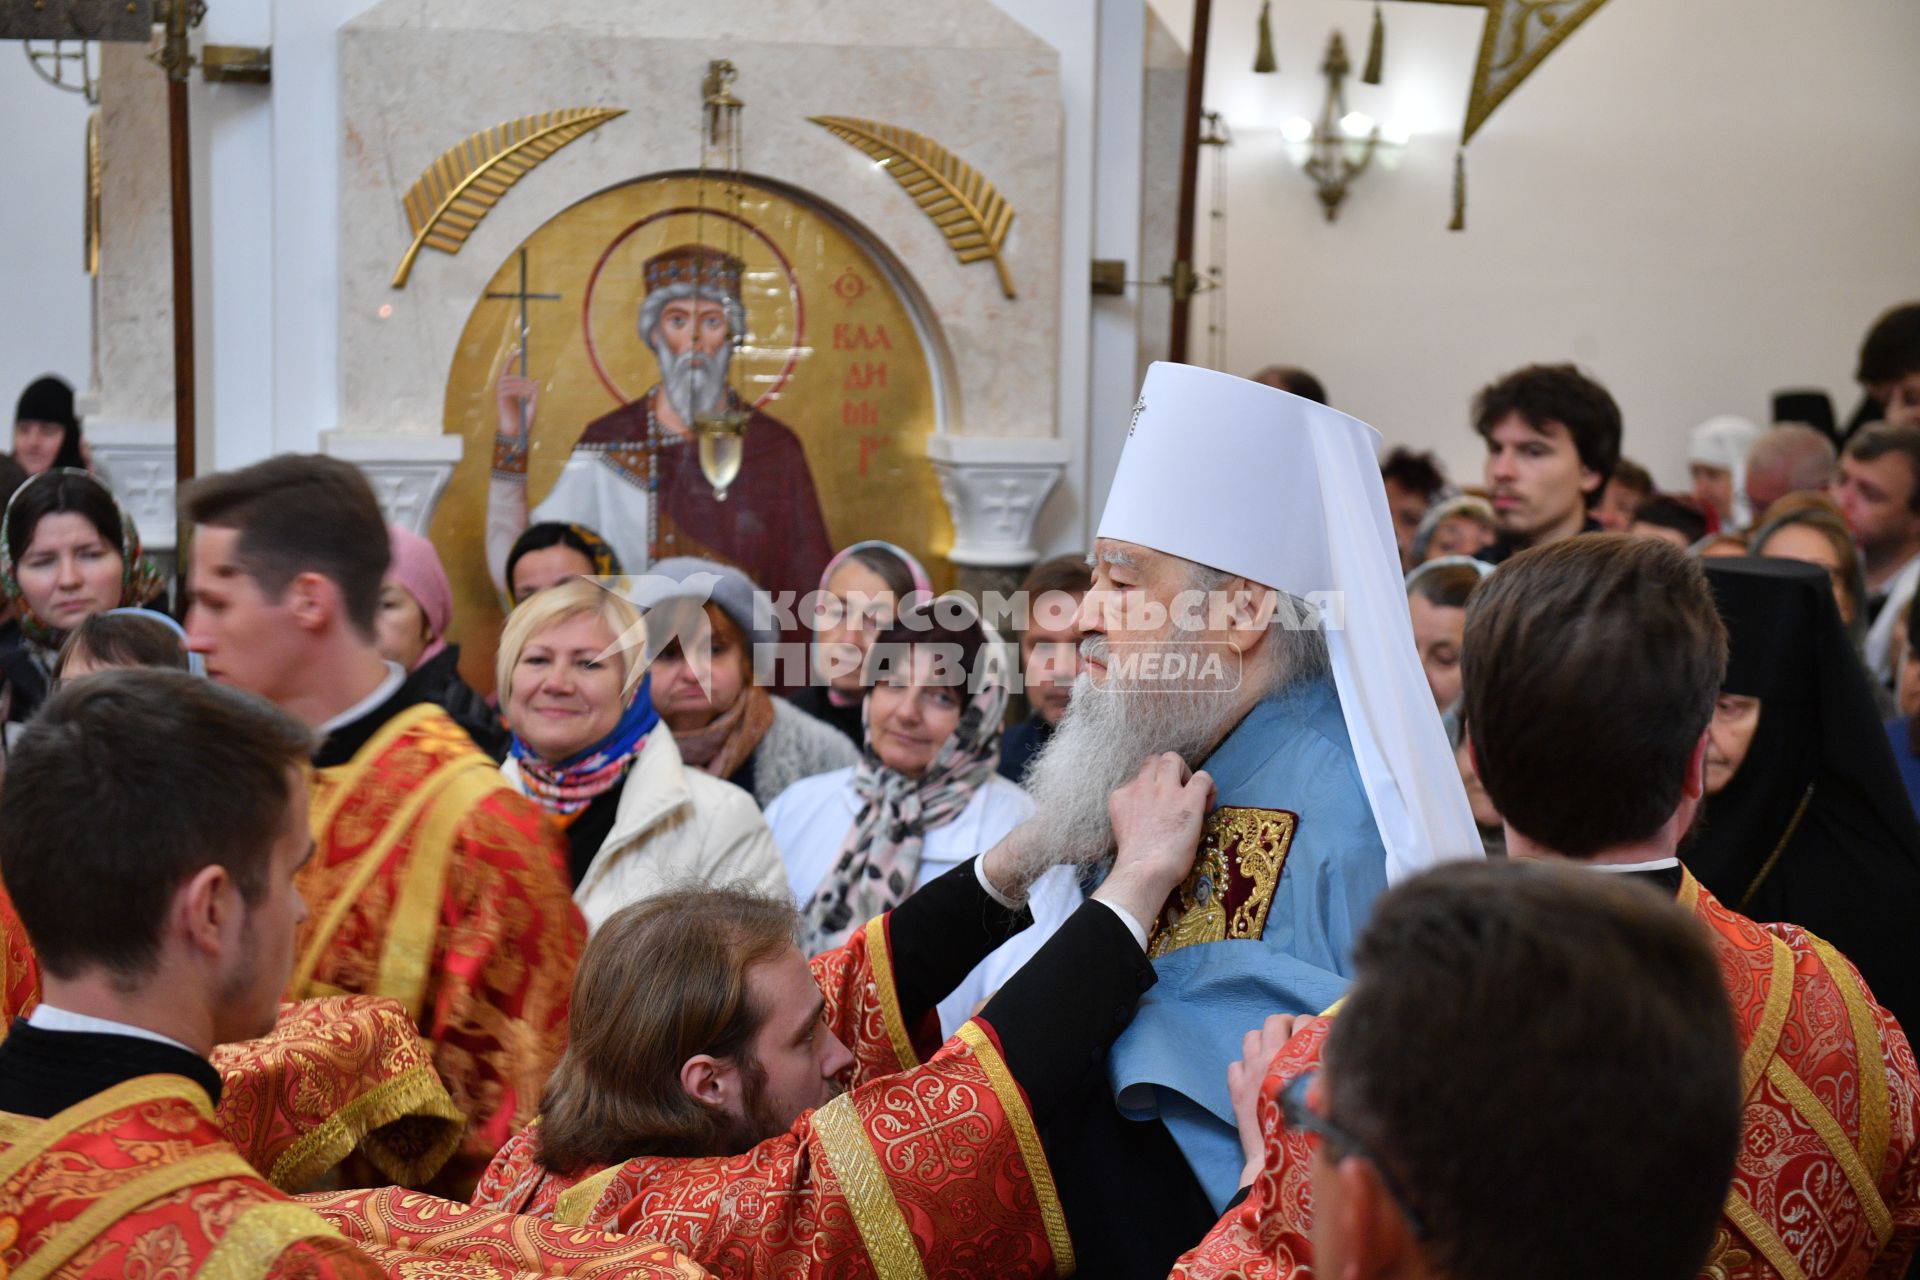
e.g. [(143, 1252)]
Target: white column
[(995, 489), (235, 233), (44, 328), (128, 414), (408, 473), (302, 272), (1072, 27), (305, 275), (1114, 360)]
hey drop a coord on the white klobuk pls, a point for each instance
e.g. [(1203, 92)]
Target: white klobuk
[(1253, 481)]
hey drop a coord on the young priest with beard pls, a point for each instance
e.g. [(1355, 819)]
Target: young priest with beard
[(768, 1116)]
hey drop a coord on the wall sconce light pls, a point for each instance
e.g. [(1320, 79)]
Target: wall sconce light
[(1337, 150)]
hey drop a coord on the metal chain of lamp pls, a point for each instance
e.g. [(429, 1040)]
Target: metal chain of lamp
[(721, 432)]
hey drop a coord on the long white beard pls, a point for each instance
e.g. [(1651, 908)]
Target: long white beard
[(695, 383), (1107, 733)]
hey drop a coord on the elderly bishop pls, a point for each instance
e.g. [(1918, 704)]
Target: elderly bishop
[(1247, 613)]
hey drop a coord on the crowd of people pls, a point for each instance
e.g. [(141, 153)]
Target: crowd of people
[(1329, 871)]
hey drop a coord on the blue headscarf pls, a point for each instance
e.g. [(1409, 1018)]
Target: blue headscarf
[(573, 783)]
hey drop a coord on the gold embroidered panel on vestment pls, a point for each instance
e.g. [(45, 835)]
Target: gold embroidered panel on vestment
[(1230, 889)]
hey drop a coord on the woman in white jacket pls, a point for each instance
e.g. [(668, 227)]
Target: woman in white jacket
[(589, 748), (925, 797)]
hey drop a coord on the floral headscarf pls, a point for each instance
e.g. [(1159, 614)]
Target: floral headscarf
[(140, 580), (879, 861), (571, 785)]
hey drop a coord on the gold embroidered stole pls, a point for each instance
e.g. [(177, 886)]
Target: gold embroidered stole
[(68, 1181), (1762, 1061), (423, 821)]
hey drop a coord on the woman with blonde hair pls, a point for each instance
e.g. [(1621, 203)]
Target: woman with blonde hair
[(588, 748)]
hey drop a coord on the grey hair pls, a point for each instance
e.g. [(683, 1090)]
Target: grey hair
[(657, 301), (1296, 640), (1803, 456)]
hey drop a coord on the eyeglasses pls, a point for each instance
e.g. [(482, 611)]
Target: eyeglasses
[(1340, 1144)]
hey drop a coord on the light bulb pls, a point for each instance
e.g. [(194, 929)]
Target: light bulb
[(1356, 124), (1297, 129)]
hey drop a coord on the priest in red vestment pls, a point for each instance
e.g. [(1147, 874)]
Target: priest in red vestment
[(634, 476), (770, 1121), (335, 1079), (1592, 668), (1481, 1103), (150, 834), (432, 882)]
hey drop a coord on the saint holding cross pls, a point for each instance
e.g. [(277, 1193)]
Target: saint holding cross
[(633, 477)]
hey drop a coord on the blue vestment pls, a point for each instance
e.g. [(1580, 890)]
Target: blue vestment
[(1291, 752)]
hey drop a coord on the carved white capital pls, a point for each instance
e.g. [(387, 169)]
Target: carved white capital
[(136, 461), (994, 487), (408, 472)]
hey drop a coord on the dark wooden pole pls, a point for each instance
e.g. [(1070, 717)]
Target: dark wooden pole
[(183, 386), (1183, 273), (177, 64)]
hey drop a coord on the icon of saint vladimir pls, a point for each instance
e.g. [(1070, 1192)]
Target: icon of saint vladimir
[(634, 474)]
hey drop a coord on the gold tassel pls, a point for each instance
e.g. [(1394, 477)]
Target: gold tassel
[(1459, 222), (1263, 60), (1376, 49)]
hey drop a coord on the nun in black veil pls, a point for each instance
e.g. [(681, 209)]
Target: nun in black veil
[(1814, 827)]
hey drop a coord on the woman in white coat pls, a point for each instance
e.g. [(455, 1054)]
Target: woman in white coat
[(589, 748), (925, 797)]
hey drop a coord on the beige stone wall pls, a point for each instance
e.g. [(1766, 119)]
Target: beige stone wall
[(417, 76)]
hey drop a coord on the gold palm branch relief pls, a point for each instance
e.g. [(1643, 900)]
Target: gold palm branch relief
[(462, 186), (969, 211)]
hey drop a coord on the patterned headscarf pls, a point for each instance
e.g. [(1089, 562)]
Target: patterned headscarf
[(879, 861), (571, 785), (140, 580)]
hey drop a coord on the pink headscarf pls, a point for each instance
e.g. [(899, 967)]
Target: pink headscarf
[(416, 566)]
